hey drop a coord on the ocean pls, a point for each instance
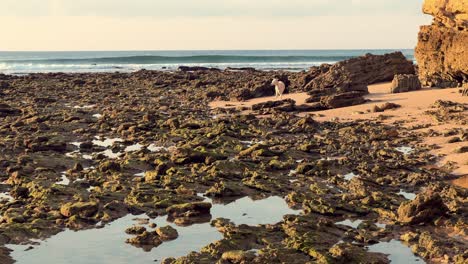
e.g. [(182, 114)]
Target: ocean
[(127, 61)]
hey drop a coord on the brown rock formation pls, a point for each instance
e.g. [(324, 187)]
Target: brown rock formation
[(424, 208), (344, 83), (365, 70), (442, 50), (405, 83)]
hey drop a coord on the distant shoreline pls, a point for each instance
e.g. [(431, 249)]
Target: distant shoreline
[(20, 63)]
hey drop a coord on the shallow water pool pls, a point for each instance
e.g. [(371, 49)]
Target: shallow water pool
[(397, 252), (107, 244)]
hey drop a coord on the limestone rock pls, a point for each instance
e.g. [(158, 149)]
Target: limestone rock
[(238, 256), (135, 230), (189, 209), (284, 105), (145, 239), (342, 100), (442, 50), (81, 209), (6, 110), (346, 94), (384, 107), (405, 83), (450, 13), (359, 72), (167, 233), (424, 208)]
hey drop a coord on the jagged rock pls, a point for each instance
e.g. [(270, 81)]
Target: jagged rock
[(223, 189), (346, 94), (167, 233), (282, 105), (135, 230), (109, 166), (450, 13), (342, 100), (196, 68), (405, 83), (384, 107), (424, 208), (81, 209), (349, 253), (189, 209), (145, 239), (442, 50), (4, 85), (365, 70), (6, 110), (238, 256)]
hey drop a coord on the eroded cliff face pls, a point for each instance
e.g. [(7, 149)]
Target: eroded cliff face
[(442, 50)]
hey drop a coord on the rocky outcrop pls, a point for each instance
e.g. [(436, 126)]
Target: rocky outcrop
[(404, 83), (442, 50), (352, 74), (342, 100), (423, 209), (344, 83), (6, 110), (81, 209), (283, 105)]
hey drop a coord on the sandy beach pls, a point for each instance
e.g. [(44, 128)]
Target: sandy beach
[(412, 112)]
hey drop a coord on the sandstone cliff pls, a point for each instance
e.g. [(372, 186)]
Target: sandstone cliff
[(442, 50)]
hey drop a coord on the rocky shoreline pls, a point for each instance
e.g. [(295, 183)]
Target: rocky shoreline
[(82, 150)]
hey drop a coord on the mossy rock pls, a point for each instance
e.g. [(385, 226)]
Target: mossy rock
[(167, 233), (82, 209)]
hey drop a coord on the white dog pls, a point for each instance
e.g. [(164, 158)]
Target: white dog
[(280, 87)]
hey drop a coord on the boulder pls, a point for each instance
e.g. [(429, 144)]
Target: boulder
[(424, 208), (7, 110), (405, 83), (82, 209), (346, 94), (442, 49), (167, 233), (146, 238), (342, 100), (196, 68), (238, 256), (384, 107), (285, 105), (361, 71), (135, 230), (109, 166), (189, 209)]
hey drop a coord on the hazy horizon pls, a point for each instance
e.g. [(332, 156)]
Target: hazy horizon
[(140, 25), (210, 50)]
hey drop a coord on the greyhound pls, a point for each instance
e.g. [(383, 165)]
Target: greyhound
[(280, 87), (465, 90)]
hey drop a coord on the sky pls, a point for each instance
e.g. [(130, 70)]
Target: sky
[(59, 25)]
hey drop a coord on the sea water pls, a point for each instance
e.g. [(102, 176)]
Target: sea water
[(128, 61)]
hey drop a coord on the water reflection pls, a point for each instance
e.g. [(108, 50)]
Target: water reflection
[(107, 245)]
